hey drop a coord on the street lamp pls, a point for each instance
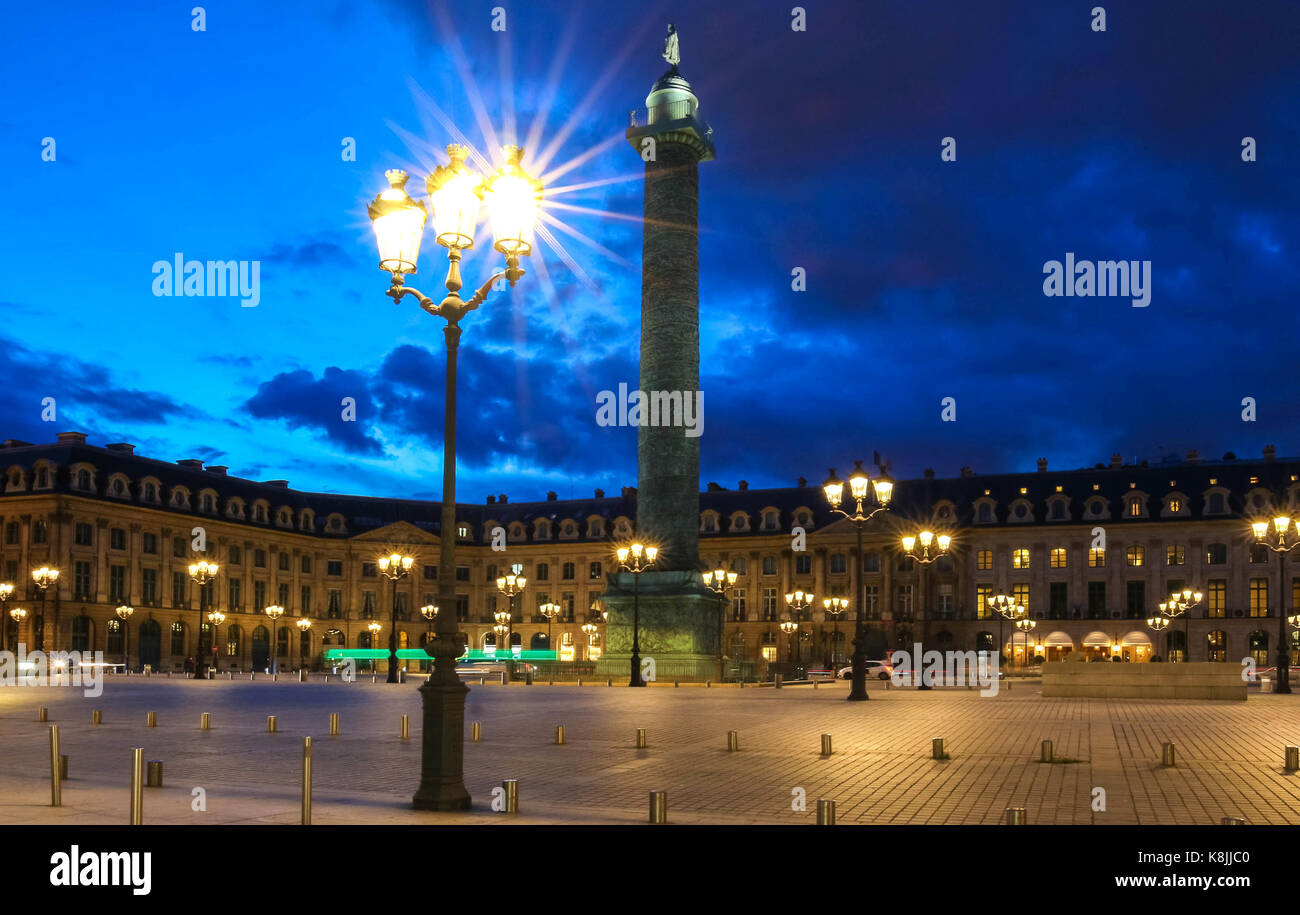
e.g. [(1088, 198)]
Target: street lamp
[(43, 578), (588, 630), (430, 613), (511, 586), (124, 612), (550, 611), (17, 614), (789, 627), (1275, 539), (394, 567), (1180, 603), (925, 557), (636, 558), (719, 581), (1007, 609), (835, 608), (1160, 624), (275, 611), (215, 619), (6, 591), (201, 573), (862, 490), (374, 627), (798, 602), (304, 626), (1026, 626), (513, 200)]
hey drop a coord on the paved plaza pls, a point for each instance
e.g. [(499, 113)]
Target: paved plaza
[(1230, 754)]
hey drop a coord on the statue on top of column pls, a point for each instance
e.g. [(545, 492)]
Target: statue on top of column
[(671, 52)]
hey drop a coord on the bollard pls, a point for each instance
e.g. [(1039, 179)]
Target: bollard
[(559, 734), (56, 783), (825, 813), (936, 748), (302, 675), (503, 678), (230, 675), (137, 786), (63, 767), (708, 684), (374, 677), (579, 681), (306, 781), (275, 677), (1232, 821), (1045, 752), (42, 714), (153, 774), (677, 683), (640, 738), (776, 680), (151, 720), (334, 724), (815, 684), (251, 675), (826, 745), (609, 682), (1292, 759), (1167, 755), (476, 731), (1015, 816), (733, 741), (510, 790), (528, 677), (658, 807), (270, 724), (406, 727), (205, 721), (96, 717), (401, 675)]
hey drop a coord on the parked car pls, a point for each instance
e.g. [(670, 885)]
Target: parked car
[(881, 670)]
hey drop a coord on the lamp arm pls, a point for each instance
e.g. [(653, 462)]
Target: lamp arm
[(397, 290)]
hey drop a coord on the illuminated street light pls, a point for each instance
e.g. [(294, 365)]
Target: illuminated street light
[(43, 578), (275, 611), (304, 626), (636, 558), (124, 612), (201, 573), (511, 586), (719, 581), (1274, 537), (1180, 603), (394, 567)]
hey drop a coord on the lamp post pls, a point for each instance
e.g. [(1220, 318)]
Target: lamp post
[(862, 489), (124, 612), (430, 613), (1007, 609), (215, 619), (835, 607), (719, 581), (789, 627), (1180, 603), (375, 626), (798, 602), (1275, 539), (17, 614), (455, 193), (304, 626), (925, 557), (201, 573), (550, 611), (43, 578), (511, 586), (1026, 626), (588, 629), (502, 631), (1160, 624), (6, 591), (275, 611), (394, 567), (636, 558)]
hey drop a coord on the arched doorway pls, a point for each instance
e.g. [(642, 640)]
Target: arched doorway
[(1096, 646), (1259, 648), (1057, 646), (1216, 645), (261, 648), (150, 644), (234, 644), (1177, 645), (539, 642), (425, 639), (1135, 646)]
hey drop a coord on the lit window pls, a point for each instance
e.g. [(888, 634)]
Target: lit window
[(1020, 559), (1058, 557), (1136, 555), (1175, 554), (1096, 559), (984, 560)]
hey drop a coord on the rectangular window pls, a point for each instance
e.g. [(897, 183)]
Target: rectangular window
[(1136, 555), (803, 565), (149, 587), (1136, 594), (117, 584), (304, 608), (462, 573), (983, 560), (334, 567), (283, 561), (116, 538), (839, 563), (1175, 554), (543, 572), (369, 570), (41, 533), (462, 607), (943, 601), (1058, 560), (1216, 554), (1058, 593), (259, 594), (982, 609), (903, 602), (178, 589), (367, 604), (259, 559), (1096, 600), (1096, 558), (305, 565), (1259, 597), (282, 594), (81, 580), (769, 603), (430, 572), (149, 544), (1021, 593), (872, 597), (11, 532), (871, 562), (235, 594), (236, 555), (1216, 598), (1020, 558), (593, 571), (568, 571), (84, 535), (335, 608), (769, 565)]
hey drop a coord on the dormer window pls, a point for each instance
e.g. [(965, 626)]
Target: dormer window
[(284, 517), (596, 528), (1058, 510), (770, 521), (259, 513), (985, 513), (151, 492), (1217, 506), (119, 488), (739, 522), (1097, 507), (208, 503), (804, 519), (710, 525), (83, 479), (42, 478)]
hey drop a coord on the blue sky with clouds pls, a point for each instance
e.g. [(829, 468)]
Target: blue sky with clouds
[(924, 277)]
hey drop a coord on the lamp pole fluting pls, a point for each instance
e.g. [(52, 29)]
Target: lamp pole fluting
[(215, 619), (861, 488), (636, 558), (394, 567)]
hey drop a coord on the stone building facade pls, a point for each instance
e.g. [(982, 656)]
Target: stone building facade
[(121, 528)]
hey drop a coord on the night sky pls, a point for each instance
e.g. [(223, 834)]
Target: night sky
[(924, 277)]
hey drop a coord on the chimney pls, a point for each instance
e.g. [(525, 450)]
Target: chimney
[(1192, 457), (551, 496), (121, 448), (15, 443), (282, 484), (967, 472), (1042, 465), (219, 469), (1270, 452), (801, 482), (502, 498), (1116, 461), (929, 473), (492, 500), (743, 485), (600, 494), (629, 492), (191, 463), (714, 487), (72, 438)]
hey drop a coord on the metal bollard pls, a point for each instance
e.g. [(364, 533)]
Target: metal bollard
[(302, 675), (270, 724), (1167, 755), (1045, 751), (1015, 816), (510, 790), (230, 675), (205, 721), (936, 748), (63, 767), (559, 734), (56, 783), (677, 683), (153, 774), (334, 724), (826, 745), (1232, 821), (609, 682), (1292, 759), (658, 807), (815, 684), (306, 781), (825, 813), (406, 727), (476, 731), (528, 677), (640, 738), (137, 786), (776, 680), (503, 678), (708, 684), (374, 677), (733, 741), (151, 719), (96, 717), (579, 681), (42, 714)]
